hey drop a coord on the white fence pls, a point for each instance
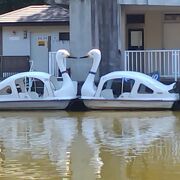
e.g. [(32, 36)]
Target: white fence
[(53, 67), (166, 62)]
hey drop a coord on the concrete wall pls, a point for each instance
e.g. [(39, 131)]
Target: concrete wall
[(108, 26), (80, 26), (1, 48), (80, 37), (171, 36), (153, 33), (122, 35)]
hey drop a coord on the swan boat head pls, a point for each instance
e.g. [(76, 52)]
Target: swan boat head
[(89, 88), (69, 88)]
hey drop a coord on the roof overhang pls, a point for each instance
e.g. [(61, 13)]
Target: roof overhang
[(64, 23), (35, 15)]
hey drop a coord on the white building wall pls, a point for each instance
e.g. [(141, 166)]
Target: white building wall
[(14, 43), (151, 2)]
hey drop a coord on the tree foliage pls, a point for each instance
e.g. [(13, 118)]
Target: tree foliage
[(10, 5)]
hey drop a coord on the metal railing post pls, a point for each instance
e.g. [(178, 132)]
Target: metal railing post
[(53, 68), (175, 66), (166, 62), (125, 60)]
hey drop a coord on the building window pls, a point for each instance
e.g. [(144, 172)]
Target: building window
[(172, 17), (64, 36), (135, 18)]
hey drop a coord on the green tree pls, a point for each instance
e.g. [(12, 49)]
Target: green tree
[(10, 5)]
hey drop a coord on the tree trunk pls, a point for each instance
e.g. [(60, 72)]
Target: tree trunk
[(106, 11)]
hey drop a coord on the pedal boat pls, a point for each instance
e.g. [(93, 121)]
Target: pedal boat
[(38, 90), (125, 90)]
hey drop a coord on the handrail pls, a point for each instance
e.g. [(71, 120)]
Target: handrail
[(53, 68), (166, 62)]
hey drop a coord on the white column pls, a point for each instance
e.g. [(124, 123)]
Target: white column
[(80, 26), (80, 38)]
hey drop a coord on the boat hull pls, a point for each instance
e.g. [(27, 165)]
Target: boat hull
[(34, 104), (127, 104)]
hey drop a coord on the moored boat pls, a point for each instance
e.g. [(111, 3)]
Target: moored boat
[(125, 90), (38, 90)]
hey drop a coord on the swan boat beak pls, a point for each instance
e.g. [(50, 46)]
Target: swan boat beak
[(84, 57), (72, 57)]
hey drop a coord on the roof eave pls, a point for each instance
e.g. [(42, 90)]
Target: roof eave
[(43, 23)]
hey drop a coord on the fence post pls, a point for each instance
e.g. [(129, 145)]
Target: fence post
[(175, 66), (50, 64), (125, 59)]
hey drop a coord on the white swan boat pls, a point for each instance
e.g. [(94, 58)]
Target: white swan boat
[(125, 90), (38, 90)]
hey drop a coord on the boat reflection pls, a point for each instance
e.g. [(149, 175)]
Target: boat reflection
[(59, 144), (127, 134), (38, 135)]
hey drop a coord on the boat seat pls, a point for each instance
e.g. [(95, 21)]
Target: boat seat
[(107, 93), (27, 95), (33, 95), (124, 95), (23, 95)]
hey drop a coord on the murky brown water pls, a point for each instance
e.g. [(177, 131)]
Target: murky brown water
[(90, 145)]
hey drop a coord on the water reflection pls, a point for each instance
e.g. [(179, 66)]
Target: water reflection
[(129, 135), (37, 138), (130, 132), (89, 145)]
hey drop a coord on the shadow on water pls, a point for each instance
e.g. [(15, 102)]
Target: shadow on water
[(89, 145)]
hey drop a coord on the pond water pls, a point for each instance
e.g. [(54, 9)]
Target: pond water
[(107, 145)]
